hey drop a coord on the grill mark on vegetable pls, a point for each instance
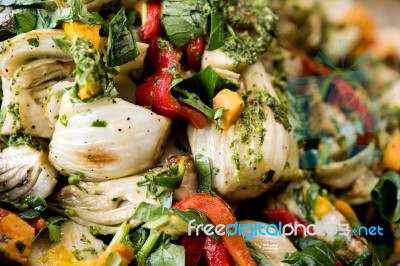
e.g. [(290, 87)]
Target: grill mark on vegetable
[(98, 156)]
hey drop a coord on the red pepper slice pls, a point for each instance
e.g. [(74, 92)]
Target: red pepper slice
[(194, 248), (219, 212), (4, 213), (152, 27), (155, 91), (217, 254), (285, 217), (37, 223), (194, 51)]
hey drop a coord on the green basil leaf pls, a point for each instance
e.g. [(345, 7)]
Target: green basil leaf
[(207, 83), (216, 39), (121, 42), (316, 255), (167, 255), (25, 19), (204, 173), (386, 196), (147, 212), (193, 100), (305, 242), (183, 21)]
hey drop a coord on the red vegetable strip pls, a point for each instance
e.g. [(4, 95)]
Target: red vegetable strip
[(194, 51), (152, 28), (194, 248), (219, 212), (217, 254), (285, 217)]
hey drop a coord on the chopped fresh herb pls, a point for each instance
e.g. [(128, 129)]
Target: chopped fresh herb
[(33, 42), (28, 207), (99, 123), (75, 178), (64, 120), (207, 83), (268, 176), (121, 42), (19, 138), (20, 246), (54, 226)]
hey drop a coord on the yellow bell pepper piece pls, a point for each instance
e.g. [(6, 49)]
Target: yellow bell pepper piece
[(232, 102), (75, 30), (391, 155), (322, 206)]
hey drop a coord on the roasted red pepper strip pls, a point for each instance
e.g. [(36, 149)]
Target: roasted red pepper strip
[(152, 28), (155, 91), (194, 51), (217, 254), (37, 223), (194, 248), (285, 217), (4, 213), (219, 212)]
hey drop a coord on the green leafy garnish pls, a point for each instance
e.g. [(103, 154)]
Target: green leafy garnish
[(183, 21), (28, 207), (317, 255), (216, 39), (386, 196), (33, 42), (121, 42), (207, 83), (53, 224), (99, 123), (204, 173)]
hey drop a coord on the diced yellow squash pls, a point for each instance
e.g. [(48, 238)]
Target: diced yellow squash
[(391, 155), (322, 206), (75, 30), (17, 237), (59, 255), (232, 102), (123, 250)]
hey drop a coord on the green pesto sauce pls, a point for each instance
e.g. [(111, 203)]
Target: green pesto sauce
[(250, 127), (13, 109)]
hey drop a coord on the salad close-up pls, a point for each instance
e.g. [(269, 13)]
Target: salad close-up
[(199, 132)]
